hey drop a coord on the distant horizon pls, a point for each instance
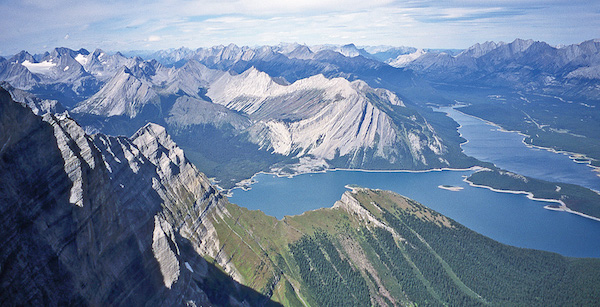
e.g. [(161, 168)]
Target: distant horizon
[(38, 25), (133, 51)]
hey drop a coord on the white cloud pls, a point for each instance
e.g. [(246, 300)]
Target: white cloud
[(117, 25)]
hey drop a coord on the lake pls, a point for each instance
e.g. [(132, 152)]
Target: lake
[(506, 150), (508, 218)]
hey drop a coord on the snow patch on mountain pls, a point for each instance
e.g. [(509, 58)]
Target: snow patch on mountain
[(405, 59), (82, 59), (39, 68)]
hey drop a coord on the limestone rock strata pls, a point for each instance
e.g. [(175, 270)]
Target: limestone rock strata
[(92, 219), (328, 119)]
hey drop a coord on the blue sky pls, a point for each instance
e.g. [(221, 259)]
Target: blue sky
[(40, 25)]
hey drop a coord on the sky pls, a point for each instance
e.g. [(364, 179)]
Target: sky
[(117, 25)]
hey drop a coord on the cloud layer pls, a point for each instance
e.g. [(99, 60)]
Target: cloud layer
[(38, 25)]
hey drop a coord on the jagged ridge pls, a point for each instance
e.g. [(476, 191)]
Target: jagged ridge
[(105, 220)]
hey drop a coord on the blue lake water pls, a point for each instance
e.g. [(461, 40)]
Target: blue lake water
[(508, 218), (507, 151)]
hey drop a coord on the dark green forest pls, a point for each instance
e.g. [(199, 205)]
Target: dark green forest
[(437, 264)]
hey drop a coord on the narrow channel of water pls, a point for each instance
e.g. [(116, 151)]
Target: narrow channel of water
[(506, 150)]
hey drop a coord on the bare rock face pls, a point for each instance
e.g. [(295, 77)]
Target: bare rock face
[(328, 119), (104, 220), (124, 94), (37, 105)]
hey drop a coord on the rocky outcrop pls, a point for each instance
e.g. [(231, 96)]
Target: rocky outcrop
[(38, 106), (99, 220), (353, 207)]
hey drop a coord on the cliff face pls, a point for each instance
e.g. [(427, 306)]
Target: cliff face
[(104, 220)]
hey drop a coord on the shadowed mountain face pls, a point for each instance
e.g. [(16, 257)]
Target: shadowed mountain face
[(105, 220)]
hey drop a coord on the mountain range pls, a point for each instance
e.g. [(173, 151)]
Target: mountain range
[(524, 64), (97, 219), (105, 162), (359, 126), (241, 98)]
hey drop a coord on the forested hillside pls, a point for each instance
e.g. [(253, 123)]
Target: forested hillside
[(379, 248)]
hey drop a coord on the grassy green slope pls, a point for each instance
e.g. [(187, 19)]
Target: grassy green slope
[(379, 248)]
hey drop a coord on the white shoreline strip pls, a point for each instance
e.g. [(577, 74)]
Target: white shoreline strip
[(563, 207), (253, 180), (571, 155)]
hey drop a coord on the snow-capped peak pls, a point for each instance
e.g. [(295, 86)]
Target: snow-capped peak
[(405, 59)]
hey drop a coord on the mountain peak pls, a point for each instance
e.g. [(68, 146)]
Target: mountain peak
[(302, 52), (350, 50), (62, 51), (479, 50), (83, 51), (151, 128), (123, 94), (520, 45), (155, 143), (98, 52), (22, 56)]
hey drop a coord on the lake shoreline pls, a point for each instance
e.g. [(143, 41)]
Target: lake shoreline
[(561, 208), (245, 184), (573, 156), (320, 166)]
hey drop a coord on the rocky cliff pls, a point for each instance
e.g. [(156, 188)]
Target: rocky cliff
[(92, 219)]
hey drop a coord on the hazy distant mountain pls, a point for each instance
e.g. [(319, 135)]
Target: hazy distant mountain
[(521, 64), (172, 56), (404, 60), (387, 53), (289, 61)]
